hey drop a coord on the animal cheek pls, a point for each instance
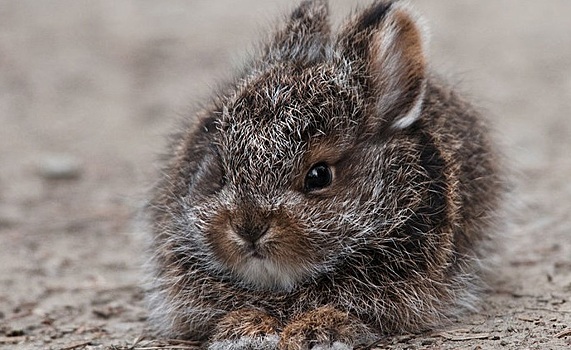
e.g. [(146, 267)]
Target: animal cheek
[(291, 244), (221, 239)]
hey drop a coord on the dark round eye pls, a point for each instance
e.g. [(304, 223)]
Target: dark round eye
[(318, 177)]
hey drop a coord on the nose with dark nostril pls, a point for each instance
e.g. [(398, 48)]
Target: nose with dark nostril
[(251, 233)]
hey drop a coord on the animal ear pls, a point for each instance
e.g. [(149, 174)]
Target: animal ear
[(384, 46), (304, 35)]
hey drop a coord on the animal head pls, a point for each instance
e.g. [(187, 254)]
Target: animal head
[(292, 169)]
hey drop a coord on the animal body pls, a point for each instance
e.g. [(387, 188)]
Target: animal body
[(334, 192)]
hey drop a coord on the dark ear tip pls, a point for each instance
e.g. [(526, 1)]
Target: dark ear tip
[(374, 15), (309, 7), (299, 12)]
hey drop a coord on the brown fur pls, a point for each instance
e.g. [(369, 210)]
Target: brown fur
[(245, 322), (323, 325), (246, 257)]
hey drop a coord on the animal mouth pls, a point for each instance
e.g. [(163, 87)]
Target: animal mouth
[(253, 251), (261, 272), (257, 255)]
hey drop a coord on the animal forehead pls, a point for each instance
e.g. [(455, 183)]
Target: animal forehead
[(276, 114), (286, 100), (268, 143)]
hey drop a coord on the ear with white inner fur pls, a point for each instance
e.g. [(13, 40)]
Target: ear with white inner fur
[(304, 36), (385, 45)]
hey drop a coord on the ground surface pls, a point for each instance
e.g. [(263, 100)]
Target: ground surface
[(87, 89)]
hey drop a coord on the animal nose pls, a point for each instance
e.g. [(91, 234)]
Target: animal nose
[(251, 233)]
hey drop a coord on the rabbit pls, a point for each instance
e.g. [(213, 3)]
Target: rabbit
[(336, 191)]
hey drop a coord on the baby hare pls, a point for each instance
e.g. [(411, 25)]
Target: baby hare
[(335, 192)]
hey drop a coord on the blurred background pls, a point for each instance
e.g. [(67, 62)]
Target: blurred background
[(89, 89)]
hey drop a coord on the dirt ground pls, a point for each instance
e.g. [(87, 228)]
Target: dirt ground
[(88, 89)]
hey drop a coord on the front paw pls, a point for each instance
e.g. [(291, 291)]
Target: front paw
[(267, 342), (246, 329), (325, 328)]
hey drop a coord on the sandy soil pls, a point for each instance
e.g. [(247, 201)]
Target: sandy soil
[(88, 89)]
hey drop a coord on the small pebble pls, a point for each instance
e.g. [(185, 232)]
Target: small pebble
[(15, 332), (59, 167)]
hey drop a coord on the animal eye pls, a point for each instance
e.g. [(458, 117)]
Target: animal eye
[(318, 177)]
